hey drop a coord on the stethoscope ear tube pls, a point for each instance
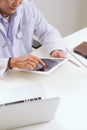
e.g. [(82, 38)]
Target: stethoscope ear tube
[(19, 33)]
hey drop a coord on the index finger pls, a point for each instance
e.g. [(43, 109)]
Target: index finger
[(42, 62), (39, 61)]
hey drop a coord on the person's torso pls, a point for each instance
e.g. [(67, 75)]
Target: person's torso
[(22, 34)]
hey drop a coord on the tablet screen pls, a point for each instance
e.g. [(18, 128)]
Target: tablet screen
[(50, 63)]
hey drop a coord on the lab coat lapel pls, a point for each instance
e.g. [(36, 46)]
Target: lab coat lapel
[(2, 28), (17, 20)]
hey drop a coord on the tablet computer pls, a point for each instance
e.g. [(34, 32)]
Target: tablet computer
[(51, 65)]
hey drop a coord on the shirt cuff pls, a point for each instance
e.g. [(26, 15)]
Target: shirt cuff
[(3, 67)]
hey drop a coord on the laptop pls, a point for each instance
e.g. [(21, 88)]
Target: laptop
[(24, 106), (51, 65)]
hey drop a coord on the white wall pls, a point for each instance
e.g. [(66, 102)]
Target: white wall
[(66, 15)]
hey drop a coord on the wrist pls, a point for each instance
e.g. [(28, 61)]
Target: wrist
[(11, 63)]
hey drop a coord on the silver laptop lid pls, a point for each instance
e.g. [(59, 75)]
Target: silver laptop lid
[(27, 113)]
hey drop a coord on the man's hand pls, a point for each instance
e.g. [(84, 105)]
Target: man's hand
[(57, 54), (26, 62)]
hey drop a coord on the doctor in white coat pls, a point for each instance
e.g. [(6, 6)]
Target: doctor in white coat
[(19, 21)]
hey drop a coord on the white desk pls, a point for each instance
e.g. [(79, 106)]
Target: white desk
[(68, 82)]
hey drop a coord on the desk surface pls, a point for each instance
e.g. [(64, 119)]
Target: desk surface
[(68, 82)]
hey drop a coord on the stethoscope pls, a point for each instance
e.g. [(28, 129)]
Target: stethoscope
[(19, 33), (3, 39)]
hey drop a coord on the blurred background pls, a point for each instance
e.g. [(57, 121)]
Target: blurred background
[(68, 16)]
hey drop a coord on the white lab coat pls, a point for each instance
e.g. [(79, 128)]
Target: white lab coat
[(27, 22)]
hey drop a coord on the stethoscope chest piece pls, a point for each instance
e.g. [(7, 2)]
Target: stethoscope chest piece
[(19, 35)]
